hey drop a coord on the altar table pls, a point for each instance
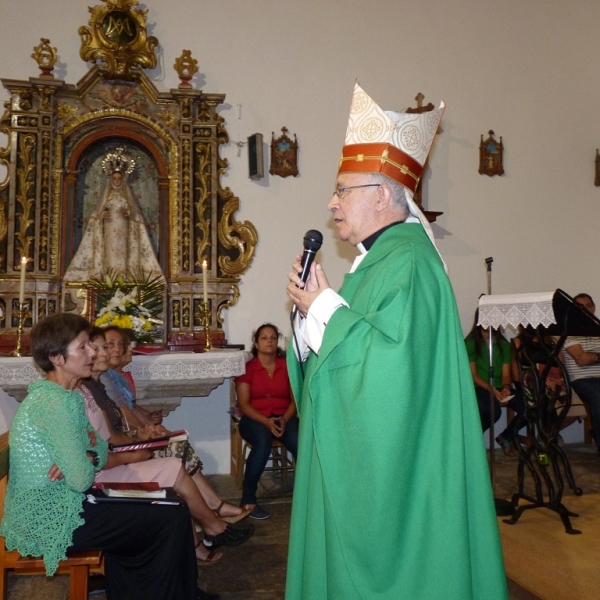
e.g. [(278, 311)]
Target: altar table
[(161, 380)]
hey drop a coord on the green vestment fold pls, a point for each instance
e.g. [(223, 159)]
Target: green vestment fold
[(392, 494)]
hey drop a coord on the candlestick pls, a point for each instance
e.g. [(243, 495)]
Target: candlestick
[(22, 286), (204, 282), (18, 351), (206, 317)]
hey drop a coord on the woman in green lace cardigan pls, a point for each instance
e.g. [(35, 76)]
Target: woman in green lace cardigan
[(54, 454)]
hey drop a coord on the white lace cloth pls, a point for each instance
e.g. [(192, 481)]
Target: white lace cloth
[(18, 370), (216, 364), (516, 309)]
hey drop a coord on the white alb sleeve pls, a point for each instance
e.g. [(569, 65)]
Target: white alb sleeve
[(310, 330)]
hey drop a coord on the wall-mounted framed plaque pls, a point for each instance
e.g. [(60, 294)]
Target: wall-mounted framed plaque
[(284, 155), (491, 152)]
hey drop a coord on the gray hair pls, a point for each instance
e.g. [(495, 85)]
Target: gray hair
[(398, 190)]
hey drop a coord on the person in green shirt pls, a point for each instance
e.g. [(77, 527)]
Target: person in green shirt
[(477, 344)]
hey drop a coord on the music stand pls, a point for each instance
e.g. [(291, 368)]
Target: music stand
[(551, 314)]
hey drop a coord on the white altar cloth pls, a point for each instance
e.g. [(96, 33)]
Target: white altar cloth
[(161, 379), (516, 309), (219, 363)]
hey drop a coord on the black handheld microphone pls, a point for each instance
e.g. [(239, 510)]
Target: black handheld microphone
[(312, 243)]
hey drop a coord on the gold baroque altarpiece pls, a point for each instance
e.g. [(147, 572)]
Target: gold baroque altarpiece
[(55, 132)]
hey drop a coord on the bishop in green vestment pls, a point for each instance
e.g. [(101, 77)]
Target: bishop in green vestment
[(392, 495)]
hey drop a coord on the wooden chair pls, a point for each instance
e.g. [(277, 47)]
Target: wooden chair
[(280, 459), (78, 565)]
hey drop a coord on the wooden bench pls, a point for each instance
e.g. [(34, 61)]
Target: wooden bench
[(78, 564)]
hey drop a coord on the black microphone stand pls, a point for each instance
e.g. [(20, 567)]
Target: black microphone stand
[(503, 507)]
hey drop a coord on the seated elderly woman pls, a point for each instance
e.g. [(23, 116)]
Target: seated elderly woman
[(168, 472), (265, 399), (54, 454), (117, 354), (117, 386)]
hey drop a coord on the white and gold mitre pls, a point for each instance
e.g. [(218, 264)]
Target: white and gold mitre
[(118, 162), (394, 144)]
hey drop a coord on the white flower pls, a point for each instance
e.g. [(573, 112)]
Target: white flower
[(117, 302), (138, 324), (122, 304)]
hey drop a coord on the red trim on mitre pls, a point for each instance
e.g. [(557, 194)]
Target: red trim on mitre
[(382, 158)]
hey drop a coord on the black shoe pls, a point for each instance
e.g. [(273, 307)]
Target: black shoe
[(234, 535), (96, 584), (202, 595), (259, 513)]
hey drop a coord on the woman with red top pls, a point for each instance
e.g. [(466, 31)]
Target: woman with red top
[(265, 399)]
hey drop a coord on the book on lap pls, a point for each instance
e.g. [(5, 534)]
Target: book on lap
[(178, 436), (146, 489), (141, 493), (153, 443)]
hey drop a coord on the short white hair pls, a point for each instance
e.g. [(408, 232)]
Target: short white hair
[(398, 190)]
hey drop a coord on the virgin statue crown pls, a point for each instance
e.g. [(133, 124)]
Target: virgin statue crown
[(118, 162)]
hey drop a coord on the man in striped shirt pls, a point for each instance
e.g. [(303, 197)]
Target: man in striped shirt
[(582, 359)]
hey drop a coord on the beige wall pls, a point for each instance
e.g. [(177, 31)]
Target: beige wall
[(526, 68)]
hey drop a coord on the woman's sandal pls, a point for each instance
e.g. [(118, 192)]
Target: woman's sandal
[(234, 518), (507, 447), (212, 558)]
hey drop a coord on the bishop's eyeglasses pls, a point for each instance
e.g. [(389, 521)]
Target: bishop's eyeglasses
[(342, 190)]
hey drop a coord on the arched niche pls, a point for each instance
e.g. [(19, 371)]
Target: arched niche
[(84, 182)]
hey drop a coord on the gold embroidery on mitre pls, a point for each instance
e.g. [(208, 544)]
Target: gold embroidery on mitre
[(383, 159)]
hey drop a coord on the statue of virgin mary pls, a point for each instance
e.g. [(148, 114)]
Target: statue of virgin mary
[(116, 237)]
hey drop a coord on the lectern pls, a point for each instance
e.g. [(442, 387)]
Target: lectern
[(550, 317)]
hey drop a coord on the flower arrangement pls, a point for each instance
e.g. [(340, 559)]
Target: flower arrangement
[(124, 311), (132, 302)]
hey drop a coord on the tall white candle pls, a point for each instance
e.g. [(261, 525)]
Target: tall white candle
[(204, 282), (22, 286)]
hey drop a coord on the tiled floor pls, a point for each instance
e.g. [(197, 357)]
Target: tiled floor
[(256, 570)]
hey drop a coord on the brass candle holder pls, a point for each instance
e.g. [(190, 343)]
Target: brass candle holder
[(22, 309), (205, 318)]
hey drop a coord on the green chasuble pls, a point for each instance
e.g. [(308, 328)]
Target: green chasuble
[(392, 495)]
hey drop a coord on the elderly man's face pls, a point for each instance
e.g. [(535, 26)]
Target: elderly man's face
[(354, 213)]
